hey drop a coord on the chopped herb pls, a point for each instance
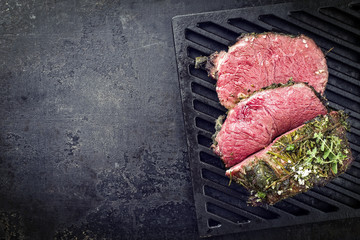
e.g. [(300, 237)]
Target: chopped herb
[(334, 167), (261, 195), (329, 51), (290, 147), (200, 61), (218, 125), (230, 179)]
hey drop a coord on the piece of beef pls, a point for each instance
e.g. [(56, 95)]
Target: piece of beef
[(257, 120), (308, 156), (258, 60)]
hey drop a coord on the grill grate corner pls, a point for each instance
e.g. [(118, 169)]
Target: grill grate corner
[(222, 209)]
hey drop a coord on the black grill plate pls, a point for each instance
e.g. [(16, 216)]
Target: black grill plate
[(220, 208)]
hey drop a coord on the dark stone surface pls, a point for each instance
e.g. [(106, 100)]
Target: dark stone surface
[(92, 142)]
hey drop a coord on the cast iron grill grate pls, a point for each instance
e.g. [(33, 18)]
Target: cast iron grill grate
[(220, 208)]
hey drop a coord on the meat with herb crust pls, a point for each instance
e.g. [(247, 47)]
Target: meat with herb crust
[(308, 156), (257, 120), (259, 60)]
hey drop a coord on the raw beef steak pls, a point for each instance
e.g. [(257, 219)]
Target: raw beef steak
[(257, 120), (259, 60)]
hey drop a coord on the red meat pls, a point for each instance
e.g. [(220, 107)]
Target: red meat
[(259, 60), (254, 122)]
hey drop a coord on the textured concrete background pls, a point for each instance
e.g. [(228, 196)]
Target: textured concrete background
[(92, 141)]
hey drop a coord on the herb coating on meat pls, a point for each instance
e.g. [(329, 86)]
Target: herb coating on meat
[(299, 160)]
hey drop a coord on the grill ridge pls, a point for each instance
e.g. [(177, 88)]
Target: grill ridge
[(247, 25), (350, 35), (219, 30), (324, 42), (340, 15)]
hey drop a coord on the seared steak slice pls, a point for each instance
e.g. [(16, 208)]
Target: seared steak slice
[(308, 156), (258, 60), (257, 120)]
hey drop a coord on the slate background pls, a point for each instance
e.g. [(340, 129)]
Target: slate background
[(92, 141)]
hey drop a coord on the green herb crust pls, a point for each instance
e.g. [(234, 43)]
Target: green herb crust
[(218, 124), (306, 157)]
